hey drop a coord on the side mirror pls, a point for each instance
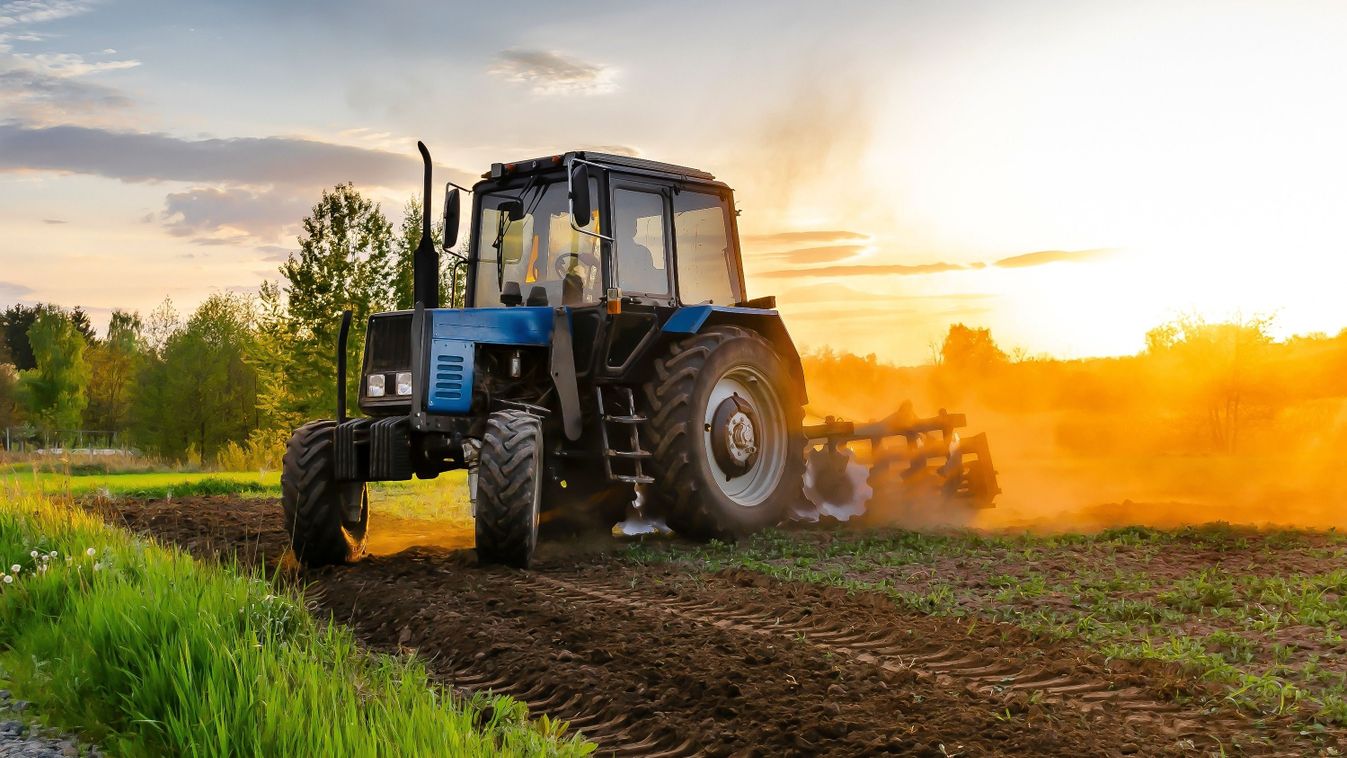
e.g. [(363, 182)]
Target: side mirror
[(581, 209), (513, 209), (450, 215)]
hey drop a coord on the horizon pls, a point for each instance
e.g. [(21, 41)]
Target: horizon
[(934, 165)]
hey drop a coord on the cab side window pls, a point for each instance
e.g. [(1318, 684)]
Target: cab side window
[(702, 238), (638, 238)]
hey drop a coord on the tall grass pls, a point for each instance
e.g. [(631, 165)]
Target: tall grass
[(151, 653)]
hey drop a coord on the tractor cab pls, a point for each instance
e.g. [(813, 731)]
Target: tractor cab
[(641, 232)]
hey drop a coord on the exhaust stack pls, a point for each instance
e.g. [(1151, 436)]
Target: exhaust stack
[(426, 260)]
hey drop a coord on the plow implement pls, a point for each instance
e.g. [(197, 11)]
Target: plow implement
[(916, 471)]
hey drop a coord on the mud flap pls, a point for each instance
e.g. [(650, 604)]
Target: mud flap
[(563, 373)]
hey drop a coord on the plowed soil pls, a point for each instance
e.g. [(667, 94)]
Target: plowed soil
[(660, 661)]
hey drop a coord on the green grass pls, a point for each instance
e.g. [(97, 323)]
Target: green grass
[(1268, 636), (442, 498), (150, 653), (146, 485)]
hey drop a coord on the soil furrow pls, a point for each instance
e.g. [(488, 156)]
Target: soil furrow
[(667, 660)]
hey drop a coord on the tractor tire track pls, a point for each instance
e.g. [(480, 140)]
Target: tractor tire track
[(945, 666), (668, 660)]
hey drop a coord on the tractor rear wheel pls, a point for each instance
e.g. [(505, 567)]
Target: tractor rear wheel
[(321, 512), (509, 488), (726, 430)]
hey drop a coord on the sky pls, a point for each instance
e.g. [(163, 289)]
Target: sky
[(1068, 173)]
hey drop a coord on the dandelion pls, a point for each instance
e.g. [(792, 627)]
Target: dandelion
[(16, 568), (98, 567), (9, 579), (53, 554), (90, 552), (33, 554)]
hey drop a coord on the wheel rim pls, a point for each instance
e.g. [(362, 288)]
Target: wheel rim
[(752, 439)]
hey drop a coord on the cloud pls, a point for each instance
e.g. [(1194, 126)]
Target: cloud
[(10, 291), (841, 293), (1051, 256), (53, 221), (551, 73), (275, 252), (879, 269), (213, 211), (803, 238), (40, 96), (828, 254), (150, 157), (627, 150), (19, 12)]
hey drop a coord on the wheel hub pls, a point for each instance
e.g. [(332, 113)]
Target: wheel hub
[(734, 436)]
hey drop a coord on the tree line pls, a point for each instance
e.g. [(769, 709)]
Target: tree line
[(226, 383)]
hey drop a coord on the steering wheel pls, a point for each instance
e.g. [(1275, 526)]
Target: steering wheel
[(564, 265)]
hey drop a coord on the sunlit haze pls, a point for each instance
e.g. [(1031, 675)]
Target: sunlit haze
[(1069, 174)]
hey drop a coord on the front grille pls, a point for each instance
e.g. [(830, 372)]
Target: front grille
[(388, 343)]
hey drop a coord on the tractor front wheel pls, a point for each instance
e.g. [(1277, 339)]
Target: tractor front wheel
[(509, 488), (326, 519), (726, 429)]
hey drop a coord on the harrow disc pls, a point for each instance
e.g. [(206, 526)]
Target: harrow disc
[(834, 485)]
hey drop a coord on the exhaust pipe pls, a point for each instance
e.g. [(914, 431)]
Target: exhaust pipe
[(426, 261)]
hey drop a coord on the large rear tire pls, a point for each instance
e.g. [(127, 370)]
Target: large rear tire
[(509, 488), (316, 505), (726, 430)]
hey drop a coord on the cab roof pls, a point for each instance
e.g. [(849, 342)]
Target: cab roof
[(500, 170)]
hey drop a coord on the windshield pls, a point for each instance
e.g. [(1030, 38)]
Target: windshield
[(550, 262)]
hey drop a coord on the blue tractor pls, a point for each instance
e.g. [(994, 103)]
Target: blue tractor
[(606, 343)]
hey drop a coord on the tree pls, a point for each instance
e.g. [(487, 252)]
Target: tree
[(200, 392), (409, 237), (971, 351), (9, 406), (272, 357), (1219, 363), (54, 392), (15, 323), (82, 324), (113, 363), (163, 323), (346, 261)]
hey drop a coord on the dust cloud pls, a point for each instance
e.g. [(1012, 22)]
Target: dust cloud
[(1215, 423)]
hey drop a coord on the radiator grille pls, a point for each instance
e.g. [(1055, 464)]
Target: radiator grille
[(388, 346)]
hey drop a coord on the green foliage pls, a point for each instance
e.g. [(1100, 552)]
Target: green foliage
[(346, 261), (149, 653), (9, 401), (113, 363), (200, 392), (54, 392)]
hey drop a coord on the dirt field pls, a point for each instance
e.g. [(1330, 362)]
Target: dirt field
[(666, 658)]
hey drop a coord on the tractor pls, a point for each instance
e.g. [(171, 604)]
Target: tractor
[(606, 344)]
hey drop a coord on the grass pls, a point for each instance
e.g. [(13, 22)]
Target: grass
[(444, 498), (147, 484), (147, 652), (1261, 614)]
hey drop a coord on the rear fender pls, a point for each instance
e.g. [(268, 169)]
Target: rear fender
[(694, 319)]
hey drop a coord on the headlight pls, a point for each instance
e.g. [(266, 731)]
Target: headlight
[(404, 382), (374, 385)]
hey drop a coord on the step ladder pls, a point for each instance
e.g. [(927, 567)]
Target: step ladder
[(622, 464)]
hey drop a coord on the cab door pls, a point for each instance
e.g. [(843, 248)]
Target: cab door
[(641, 269)]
